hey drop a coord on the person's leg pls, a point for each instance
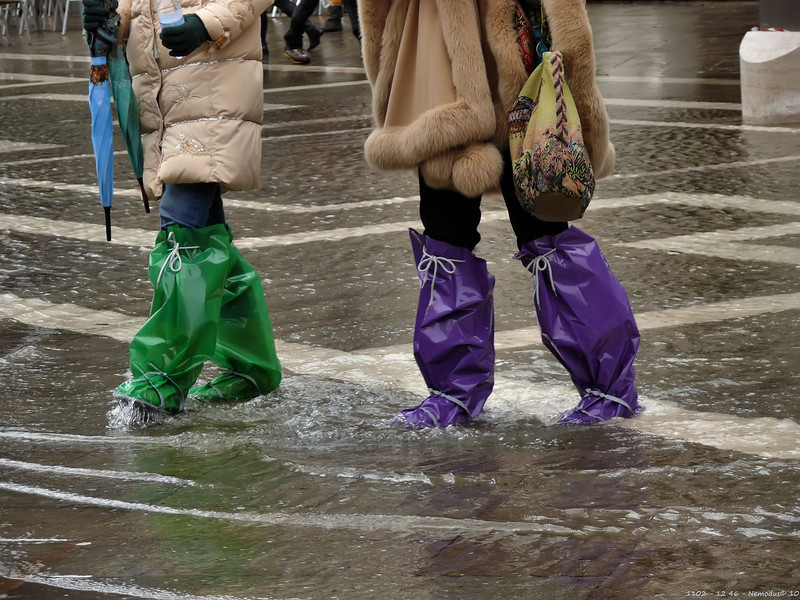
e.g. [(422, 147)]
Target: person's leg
[(454, 329), (351, 6), (584, 315), (192, 205), (264, 27), (586, 321), (245, 342), (334, 22), (314, 34), (287, 7), (294, 35), (449, 216), (188, 268)]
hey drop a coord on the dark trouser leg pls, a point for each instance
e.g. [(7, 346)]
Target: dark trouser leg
[(351, 6), (294, 35), (454, 330), (583, 311), (334, 22), (287, 7), (192, 205)]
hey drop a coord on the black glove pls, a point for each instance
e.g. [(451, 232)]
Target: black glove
[(184, 39), (95, 13)]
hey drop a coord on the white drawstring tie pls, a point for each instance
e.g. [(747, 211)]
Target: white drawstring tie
[(541, 264), (448, 265), (173, 260)]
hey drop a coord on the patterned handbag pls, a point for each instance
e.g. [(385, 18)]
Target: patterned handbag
[(552, 173)]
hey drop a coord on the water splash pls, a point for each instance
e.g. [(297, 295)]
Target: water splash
[(132, 416)]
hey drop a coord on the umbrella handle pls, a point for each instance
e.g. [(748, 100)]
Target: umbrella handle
[(145, 201), (107, 210)]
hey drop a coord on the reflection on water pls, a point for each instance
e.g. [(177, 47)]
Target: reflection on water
[(309, 489), (309, 493), (327, 445)]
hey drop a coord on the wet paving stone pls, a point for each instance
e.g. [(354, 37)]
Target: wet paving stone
[(310, 492)]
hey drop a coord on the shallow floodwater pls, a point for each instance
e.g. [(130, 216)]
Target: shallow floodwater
[(312, 492)]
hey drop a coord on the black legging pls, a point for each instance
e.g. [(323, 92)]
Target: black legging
[(449, 216), (351, 7)]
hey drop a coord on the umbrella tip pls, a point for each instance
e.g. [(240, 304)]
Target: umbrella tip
[(145, 201), (107, 210)]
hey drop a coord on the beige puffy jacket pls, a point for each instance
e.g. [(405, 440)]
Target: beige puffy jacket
[(444, 74), (201, 114)]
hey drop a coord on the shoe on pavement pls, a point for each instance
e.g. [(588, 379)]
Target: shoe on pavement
[(297, 55), (332, 26)]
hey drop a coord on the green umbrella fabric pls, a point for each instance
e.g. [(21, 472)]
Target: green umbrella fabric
[(127, 113)]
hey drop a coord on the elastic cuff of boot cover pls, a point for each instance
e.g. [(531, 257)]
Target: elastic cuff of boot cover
[(581, 417), (423, 418), (228, 386), (152, 388), (438, 410), (596, 407)]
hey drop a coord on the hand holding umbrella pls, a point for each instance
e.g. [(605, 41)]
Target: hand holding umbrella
[(94, 14)]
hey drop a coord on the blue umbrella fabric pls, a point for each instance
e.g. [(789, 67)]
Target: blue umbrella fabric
[(110, 74), (102, 132)]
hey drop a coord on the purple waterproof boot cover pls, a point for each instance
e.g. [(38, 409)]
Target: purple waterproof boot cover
[(586, 321), (453, 335)]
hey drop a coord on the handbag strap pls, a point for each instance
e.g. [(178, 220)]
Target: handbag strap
[(534, 11), (544, 31), (558, 85)]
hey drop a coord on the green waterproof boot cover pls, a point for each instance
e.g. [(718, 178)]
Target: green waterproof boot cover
[(245, 343), (188, 268)]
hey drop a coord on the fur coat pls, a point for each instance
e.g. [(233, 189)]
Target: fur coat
[(444, 74), (200, 115)]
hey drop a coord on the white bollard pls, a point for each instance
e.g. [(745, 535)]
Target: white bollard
[(770, 77)]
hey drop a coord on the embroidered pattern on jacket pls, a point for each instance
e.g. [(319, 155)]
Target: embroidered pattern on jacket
[(182, 93), (187, 145)]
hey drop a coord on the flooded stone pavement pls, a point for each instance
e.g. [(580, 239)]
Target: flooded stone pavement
[(308, 492)]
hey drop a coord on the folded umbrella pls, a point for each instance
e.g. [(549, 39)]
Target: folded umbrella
[(110, 72), (102, 128), (127, 114)]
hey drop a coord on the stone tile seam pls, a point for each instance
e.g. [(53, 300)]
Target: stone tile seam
[(388, 367)]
